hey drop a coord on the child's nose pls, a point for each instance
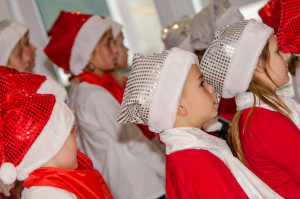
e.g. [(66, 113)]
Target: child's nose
[(210, 88)]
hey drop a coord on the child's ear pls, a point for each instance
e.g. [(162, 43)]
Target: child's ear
[(181, 110)]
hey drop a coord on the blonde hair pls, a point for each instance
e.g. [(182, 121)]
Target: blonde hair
[(264, 94)]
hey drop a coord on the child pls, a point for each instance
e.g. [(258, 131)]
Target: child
[(244, 61), (39, 150), (132, 166), (167, 92), (15, 48)]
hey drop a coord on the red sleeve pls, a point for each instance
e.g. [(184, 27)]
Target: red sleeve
[(199, 174), (279, 139)]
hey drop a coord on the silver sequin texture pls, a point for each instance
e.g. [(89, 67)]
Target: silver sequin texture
[(217, 58), (142, 81)]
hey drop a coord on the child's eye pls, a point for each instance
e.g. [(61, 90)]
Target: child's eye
[(277, 51)]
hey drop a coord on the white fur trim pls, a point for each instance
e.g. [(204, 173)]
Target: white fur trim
[(22, 29), (52, 87), (212, 125), (8, 173), (115, 26), (9, 38), (85, 43), (166, 95), (244, 60), (49, 142)]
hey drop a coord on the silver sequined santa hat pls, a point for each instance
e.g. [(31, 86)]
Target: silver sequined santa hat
[(10, 34), (34, 127), (197, 33), (154, 88), (229, 63)]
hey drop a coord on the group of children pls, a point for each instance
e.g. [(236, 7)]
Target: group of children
[(115, 153)]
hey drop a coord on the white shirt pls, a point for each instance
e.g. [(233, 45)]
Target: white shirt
[(132, 166), (45, 192)]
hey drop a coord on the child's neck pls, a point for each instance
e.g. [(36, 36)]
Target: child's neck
[(183, 123)]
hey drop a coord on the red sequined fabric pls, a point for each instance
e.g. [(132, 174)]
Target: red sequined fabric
[(23, 118), (271, 14), (6, 70), (64, 32), (20, 82), (288, 35)]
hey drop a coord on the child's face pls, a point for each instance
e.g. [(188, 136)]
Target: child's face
[(277, 67), (28, 53), (15, 60), (122, 53), (66, 158), (105, 54), (197, 103)]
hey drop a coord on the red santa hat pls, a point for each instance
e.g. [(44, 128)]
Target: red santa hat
[(74, 38), (271, 14), (288, 35), (229, 63), (12, 81), (198, 32), (10, 34), (154, 88), (34, 127)]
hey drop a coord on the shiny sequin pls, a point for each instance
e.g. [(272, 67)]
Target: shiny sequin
[(23, 117), (288, 34), (271, 14), (20, 82), (216, 60), (141, 83)]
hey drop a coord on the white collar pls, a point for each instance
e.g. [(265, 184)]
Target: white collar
[(182, 138)]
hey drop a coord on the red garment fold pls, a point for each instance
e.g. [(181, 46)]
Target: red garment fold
[(85, 182)]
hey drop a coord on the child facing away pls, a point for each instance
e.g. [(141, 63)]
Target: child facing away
[(167, 92), (246, 61), (39, 150)]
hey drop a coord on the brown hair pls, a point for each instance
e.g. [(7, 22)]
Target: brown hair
[(18, 188), (263, 94)]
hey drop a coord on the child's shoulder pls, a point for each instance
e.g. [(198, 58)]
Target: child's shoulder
[(196, 157), (266, 116)]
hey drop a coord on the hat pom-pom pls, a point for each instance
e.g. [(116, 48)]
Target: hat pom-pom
[(8, 173)]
